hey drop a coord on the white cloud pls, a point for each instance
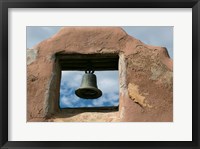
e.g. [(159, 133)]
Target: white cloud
[(100, 101), (71, 101), (108, 85), (72, 78), (106, 100), (113, 96), (108, 81), (65, 101)]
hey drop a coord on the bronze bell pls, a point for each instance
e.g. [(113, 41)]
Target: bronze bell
[(88, 89)]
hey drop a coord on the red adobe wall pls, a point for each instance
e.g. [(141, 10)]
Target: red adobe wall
[(145, 75)]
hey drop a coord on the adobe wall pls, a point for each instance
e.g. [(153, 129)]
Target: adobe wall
[(145, 76)]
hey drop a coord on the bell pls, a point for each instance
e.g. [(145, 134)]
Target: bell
[(88, 89)]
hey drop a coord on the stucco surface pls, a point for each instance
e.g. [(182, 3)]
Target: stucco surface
[(145, 76)]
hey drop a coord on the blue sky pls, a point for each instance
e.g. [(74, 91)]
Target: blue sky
[(107, 80)]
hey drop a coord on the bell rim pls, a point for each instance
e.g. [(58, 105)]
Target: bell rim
[(99, 92)]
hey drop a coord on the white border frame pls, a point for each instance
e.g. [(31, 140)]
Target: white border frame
[(179, 130)]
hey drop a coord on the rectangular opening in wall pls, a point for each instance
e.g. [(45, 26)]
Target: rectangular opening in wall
[(107, 82), (72, 79)]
